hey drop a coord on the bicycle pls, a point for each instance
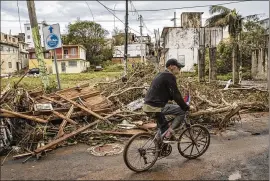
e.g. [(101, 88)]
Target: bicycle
[(163, 149)]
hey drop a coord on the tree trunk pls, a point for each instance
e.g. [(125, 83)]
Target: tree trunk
[(201, 64), (235, 64), (212, 64), (254, 64)]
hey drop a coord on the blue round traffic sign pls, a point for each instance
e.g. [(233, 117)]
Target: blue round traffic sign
[(52, 40)]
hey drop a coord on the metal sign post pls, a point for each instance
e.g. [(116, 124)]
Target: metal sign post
[(52, 38)]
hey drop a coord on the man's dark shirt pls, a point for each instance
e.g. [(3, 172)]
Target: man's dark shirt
[(162, 89)]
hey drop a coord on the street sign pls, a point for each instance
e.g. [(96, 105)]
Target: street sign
[(52, 37)]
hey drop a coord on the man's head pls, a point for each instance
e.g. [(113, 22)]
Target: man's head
[(174, 66)]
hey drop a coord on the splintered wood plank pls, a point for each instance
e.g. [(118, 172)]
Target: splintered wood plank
[(82, 107), (64, 122)]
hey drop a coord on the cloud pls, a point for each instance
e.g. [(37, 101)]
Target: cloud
[(63, 12)]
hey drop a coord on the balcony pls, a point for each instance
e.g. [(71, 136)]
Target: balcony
[(67, 56)]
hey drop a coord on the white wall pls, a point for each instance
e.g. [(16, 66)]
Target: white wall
[(9, 56), (184, 42), (82, 53), (134, 50), (81, 66), (28, 33)]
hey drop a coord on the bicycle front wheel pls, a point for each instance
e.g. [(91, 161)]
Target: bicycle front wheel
[(141, 152), (194, 141)]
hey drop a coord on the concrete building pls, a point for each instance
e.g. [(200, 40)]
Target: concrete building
[(134, 53), (9, 54), (29, 36), (184, 42), (23, 54), (71, 59), (33, 62)]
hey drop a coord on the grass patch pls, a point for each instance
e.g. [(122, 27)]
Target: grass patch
[(67, 80), (225, 77)]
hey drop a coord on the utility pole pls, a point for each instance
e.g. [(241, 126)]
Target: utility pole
[(140, 17), (126, 39), (174, 19), (36, 39)]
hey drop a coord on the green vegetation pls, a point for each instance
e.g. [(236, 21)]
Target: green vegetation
[(67, 80)]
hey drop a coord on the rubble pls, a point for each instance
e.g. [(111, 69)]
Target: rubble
[(108, 111)]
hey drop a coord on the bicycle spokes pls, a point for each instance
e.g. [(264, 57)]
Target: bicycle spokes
[(194, 141)]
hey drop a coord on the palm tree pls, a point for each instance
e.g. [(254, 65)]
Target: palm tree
[(226, 17)]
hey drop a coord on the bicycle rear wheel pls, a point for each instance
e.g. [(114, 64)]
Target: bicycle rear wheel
[(141, 152), (194, 141)]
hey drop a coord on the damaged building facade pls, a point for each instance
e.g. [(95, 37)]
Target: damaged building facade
[(184, 42)]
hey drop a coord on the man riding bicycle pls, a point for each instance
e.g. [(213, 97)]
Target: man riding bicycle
[(162, 89)]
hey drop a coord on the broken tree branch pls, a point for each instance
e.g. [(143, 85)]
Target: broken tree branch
[(82, 107), (24, 116), (128, 89)]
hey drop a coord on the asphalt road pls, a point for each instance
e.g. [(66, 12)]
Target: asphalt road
[(236, 154)]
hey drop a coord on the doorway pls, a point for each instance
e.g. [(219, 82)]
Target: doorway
[(63, 67)]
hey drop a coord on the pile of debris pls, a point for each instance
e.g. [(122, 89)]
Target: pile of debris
[(39, 122)]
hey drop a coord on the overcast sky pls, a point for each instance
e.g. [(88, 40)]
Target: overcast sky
[(63, 12)]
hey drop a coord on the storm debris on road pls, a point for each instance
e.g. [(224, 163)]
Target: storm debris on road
[(108, 112)]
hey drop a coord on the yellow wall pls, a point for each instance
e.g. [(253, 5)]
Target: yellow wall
[(33, 63)]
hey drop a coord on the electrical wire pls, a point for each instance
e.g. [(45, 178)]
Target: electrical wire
[(90, 10), (19, 15), (115, 15), (188, 7)]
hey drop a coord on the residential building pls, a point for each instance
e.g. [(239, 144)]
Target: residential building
[(71, 59), (183, 43), (134, 53), (33, 62), (29, 36), (9, 54), (23, 54)]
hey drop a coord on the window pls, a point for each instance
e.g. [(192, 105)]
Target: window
[(9, 65), (47, 55), (8, 49), (33, 55), (73, 51), (28, 36), (72, 63), (2, 48), (13, 50), (39, 27), (5, 36), (25, 55), (28, 28), (13, 39)]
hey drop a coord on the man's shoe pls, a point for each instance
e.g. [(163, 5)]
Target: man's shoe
[(172, 139)]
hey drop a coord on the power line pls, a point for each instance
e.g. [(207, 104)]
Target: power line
[(19, 15), (152, 19), (188, 7), (90, 10), (108, 9)]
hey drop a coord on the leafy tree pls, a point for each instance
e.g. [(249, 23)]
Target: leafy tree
[(231, 19), (118, 37), (252, 36), (92, 36)]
